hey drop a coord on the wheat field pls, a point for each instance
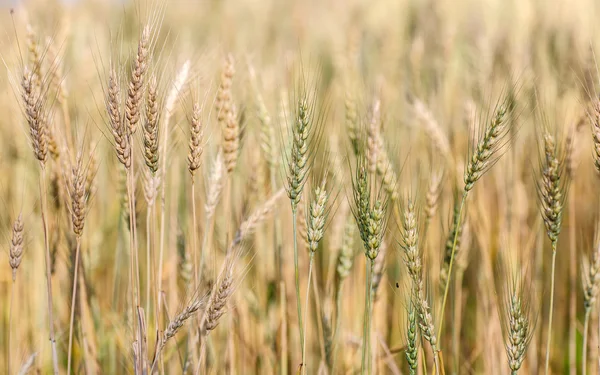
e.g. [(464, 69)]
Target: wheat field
[(299, 187)]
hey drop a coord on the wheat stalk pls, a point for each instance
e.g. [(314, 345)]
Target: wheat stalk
[(370, 215), (78, 194), (551, 192)]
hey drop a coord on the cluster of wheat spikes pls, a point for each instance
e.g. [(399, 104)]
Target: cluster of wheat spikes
[(188, 187)]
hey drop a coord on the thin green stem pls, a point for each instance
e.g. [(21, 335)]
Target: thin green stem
[(310, 265), (44, 205), (446, 288), (72, 319), (276, 228), (297, 281), (132, 251), (370, 264), (586, 323), (551, 308), (205, 240), (572, 287), (338, 321)]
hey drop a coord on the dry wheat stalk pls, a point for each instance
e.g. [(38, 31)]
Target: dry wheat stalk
[(551, 192), (78, 195)]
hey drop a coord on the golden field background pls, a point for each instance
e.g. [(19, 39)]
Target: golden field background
[(423, 76)]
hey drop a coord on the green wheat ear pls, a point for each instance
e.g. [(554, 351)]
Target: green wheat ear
[(517, 315), (412, 340), (305, 136), (491, 143)]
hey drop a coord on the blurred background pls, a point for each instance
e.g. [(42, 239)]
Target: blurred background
[(436, 70)]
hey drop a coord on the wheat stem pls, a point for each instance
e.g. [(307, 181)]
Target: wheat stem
[(195, 235), (44, 204), (573, 286), (551, 307), (148, 252), (10, 309), (132, 255), (338, 307), (72, 319), (297, 282), (446, 288), (310, 267), (366, 344), (586, 323)]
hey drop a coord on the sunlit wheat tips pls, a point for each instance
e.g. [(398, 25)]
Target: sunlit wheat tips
[(151, 131), (490, 145), (551, 188), (15, 254)]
